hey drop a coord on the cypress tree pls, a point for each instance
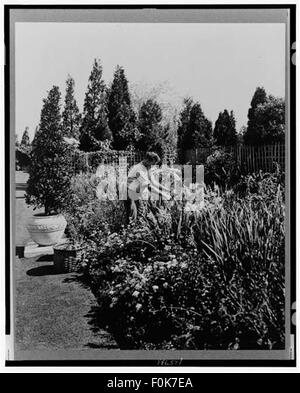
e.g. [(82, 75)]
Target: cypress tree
[(199, 130), (71, 116), (225, 132), (94, 128), (50, 170), (252, 135), (25, 141), (121, 116)]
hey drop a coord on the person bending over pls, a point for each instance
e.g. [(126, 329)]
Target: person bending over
[(140, 182)]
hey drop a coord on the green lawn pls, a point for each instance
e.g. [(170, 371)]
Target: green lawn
[(52, 311)]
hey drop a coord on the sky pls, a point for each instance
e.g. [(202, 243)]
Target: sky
[(219, 65)]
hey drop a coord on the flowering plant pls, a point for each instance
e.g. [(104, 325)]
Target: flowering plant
[(207, 280)]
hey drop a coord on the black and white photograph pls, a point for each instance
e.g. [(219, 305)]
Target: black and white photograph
[(150, 174)]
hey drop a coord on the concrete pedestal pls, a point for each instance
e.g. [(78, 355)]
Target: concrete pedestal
[(32, 249)]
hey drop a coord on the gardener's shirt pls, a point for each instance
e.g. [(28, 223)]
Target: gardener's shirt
[(138, 182)]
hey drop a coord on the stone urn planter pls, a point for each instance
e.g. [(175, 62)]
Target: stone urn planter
[(46, 230)]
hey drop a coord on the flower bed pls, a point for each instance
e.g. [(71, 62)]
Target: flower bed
[(207, 280)]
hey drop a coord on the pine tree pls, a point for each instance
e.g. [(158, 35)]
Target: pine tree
[(71, 116), (199, 130), (50, 170), (252, 135), (17, 143), (95, 129), (184, 119), (194, 129), (121, 116), (152, 133), (225, 132), (183, 126), (25, 141)]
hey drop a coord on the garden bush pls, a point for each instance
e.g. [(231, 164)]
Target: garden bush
[(89, 217), (211, 280), (51, 160), (264, 184), (221, 169)]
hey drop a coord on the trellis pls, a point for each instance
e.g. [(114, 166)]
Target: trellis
[(88, 162), (250, 158)]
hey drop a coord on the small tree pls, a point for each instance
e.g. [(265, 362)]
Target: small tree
[(121, 116), (25, 141), (252, 135), (270, 119), (198, 130), (50, 171), (95, 129), (183, 126), (225, 132), (153, 136), (71, 116)]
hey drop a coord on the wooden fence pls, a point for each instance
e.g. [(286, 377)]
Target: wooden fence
[(250, 158)]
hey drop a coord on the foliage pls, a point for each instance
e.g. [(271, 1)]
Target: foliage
[(270, 120), (252, 134), (23, 159), (23, 151), (154, 136), (221, 169), (88, 217), (50, 169), (266, 119), (160, 93), (184, 119), (194, 130), (94, 128), (17, 143), (211, 280), (169, 141), (200, 129), (261, 183), (71, 116), (25, 141), (225, 131), (121, 117)]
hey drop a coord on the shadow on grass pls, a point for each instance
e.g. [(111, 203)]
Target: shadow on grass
[(45, 258), (47, 270), (95, 321), (98, 327), (95, 318), (80, 279)]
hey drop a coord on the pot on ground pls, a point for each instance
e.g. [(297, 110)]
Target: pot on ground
[(46, 230)]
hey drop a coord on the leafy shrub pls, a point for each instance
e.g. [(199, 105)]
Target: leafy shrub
[(221, 169), (212, 280), (88, 217), (51, 164), (265, 184)]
